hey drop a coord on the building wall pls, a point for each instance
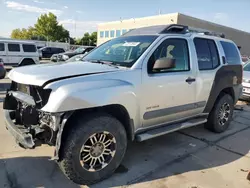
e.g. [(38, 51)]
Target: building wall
[(107, 31), (241, 38), (119, 27)]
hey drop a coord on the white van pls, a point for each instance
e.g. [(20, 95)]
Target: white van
[(18, 53)]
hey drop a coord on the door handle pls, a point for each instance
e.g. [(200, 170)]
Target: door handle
[(190, 80)]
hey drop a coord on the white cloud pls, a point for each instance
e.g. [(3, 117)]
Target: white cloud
[(65, 7), (37, 1), (79, 11), (78, 28), (28, 8)]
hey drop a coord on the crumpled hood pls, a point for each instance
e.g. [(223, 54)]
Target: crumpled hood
[(40, 74)]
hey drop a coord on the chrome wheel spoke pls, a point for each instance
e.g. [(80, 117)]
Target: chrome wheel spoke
[(107, 143), (97, 152), (107, 152), (86, 148), (93, 162), (93, 139), (102, 137), (86, 158), (101, 159)]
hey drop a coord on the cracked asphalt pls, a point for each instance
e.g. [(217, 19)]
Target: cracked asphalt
[(191, 158)]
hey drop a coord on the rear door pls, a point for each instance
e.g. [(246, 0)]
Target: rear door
[(3, 53), (30, 51), (15, 54), (209, 62)]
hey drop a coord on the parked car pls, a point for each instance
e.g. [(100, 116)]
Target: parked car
[(246, 81), (16, 53), (245, 60), (66, 55), (2, 70), (47, 52), (76, 58), (128, 89)]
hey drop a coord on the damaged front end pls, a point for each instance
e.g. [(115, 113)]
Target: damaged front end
[(24, 118)]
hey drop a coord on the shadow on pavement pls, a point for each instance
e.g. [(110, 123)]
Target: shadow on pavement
[(25, 172)]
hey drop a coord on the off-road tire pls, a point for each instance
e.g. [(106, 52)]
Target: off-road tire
[(213, 120), (82, 129)]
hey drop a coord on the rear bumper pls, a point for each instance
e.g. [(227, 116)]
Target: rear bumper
[(20, 134)]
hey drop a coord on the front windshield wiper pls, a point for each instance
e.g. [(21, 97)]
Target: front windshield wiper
[(103, 62)]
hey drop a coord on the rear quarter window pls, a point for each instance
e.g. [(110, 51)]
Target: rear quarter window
[(231, 53), (2, 47), (14, 47), (29, 48)]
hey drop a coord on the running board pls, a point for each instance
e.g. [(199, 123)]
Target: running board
[(169, 129)]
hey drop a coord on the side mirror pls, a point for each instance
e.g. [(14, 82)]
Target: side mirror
[(164, 63)]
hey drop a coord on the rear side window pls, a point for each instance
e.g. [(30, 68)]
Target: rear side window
[(207, 54), (231, 53), (2, 47), (29, 48), (14, 47), (61, 50)]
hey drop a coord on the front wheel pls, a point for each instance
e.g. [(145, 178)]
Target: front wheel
[(221, 114), (93, 149)]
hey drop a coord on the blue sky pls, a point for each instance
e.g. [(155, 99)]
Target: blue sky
[(88, 13)]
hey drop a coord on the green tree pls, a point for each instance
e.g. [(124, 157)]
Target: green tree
[(93, 38), (46, 28), (87, 39), (17, 34)]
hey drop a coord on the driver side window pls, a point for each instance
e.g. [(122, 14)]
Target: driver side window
[(175, 49)]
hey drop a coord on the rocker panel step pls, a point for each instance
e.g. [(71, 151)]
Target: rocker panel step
[(169, 129)]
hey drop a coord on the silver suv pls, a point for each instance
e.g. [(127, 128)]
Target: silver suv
[(147, 83)]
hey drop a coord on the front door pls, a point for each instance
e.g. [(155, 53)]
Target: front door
[(169, 94), (3, 53), (14, 53)]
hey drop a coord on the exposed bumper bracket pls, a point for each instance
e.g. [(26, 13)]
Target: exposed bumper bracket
[(22, 137)]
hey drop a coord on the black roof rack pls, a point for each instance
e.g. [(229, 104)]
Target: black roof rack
[(171, 28)]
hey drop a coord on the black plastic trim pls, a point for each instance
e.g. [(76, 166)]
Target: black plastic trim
[(227, 76), (172, 110)]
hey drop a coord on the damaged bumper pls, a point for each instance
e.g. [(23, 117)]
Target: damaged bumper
[(21, 135)]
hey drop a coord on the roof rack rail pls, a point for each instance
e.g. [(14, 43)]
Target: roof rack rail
[(205, 32), (175, 28), (171, 28)]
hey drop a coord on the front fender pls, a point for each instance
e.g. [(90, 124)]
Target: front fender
[(91, 94)]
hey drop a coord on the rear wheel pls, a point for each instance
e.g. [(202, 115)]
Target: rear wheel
[(93, 149), (26, 62), (221, 114)]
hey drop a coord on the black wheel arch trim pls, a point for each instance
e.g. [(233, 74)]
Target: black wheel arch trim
[(226, 79), (67, 115)]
